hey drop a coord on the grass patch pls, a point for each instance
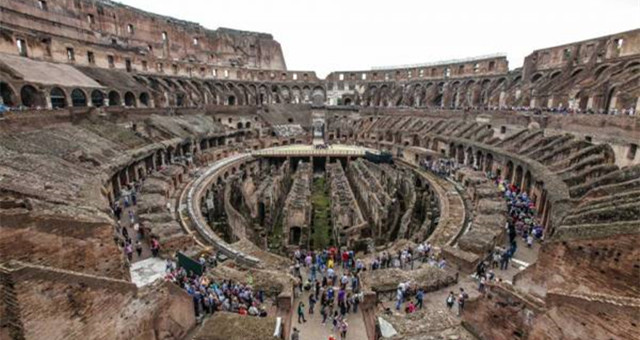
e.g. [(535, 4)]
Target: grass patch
[(321, 236)]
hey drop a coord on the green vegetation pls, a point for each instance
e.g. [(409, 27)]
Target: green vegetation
[(321, 236), (274, 240)]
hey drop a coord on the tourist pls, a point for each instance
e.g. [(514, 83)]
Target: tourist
[(419, 298), (335, 321), (462, 298), (399, 296), (117, 211), (495, 260), (344, 326), (323, 312), (504, 261), (450, 300), (295, 335), (301, 312), (139, 248), (169, 266), (132, 217), (155, 247), (481, 284), (312, 303), (128, 250), (410, 308)]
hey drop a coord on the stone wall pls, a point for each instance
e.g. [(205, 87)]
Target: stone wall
[(56, 304)]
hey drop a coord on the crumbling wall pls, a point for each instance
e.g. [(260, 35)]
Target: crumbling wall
[(56, 304)]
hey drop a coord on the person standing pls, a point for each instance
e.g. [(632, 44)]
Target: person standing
[(128, 250), (312, 303), (419, 298), (323, 312), (344, 326), (462, 298), (450, 300), (301, 312), (295, 335), (139, 248)]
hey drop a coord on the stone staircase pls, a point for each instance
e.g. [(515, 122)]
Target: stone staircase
[(11, 313)]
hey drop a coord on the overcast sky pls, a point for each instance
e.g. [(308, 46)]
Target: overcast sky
[(336, 35)]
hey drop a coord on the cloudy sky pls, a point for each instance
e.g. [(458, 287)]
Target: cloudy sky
[(333, 35)]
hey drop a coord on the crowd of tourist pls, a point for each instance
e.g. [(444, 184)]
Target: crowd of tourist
[(442, 167), (333, 282), (127, 201), (210, 296)]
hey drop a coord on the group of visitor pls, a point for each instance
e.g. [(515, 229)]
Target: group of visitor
[(210, 296), (333, 282), (406, 258), (127, 201), (441, 167)]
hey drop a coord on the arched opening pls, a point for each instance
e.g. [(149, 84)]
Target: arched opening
[(129, 99), (144, 99), (469, 157), (526, 186), (97, 98), (180, 99), (114, 98), (488, 164), (239, 125), (517, 181), (509, 174), (294, 235), (231, 100), (30, 97), (347, 101), (247, 125), (437, 101), (7, 95), (78, 98), (536, 77), (479, 159), (460, 154), (610, 95), (58, 98)]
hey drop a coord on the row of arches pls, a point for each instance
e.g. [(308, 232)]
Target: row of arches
[(56, 97), (446, 94), (509, 169), (192, 92), (163, 92)]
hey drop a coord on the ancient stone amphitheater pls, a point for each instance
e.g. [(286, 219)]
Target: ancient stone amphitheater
[(227, 152)]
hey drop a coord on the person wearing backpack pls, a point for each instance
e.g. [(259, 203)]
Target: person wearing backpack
[(462, 298), (450, 300)]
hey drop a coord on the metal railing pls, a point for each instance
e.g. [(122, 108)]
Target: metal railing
[(319, 152)]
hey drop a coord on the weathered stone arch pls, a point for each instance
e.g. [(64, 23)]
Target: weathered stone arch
[(97, 98), (8, 94), (78, 98), (58, 98), (129, 99), (114, 98)]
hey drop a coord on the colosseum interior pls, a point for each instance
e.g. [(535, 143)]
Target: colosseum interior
[(159, 179)]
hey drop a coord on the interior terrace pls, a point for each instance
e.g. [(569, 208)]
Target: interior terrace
[(162, 165)]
